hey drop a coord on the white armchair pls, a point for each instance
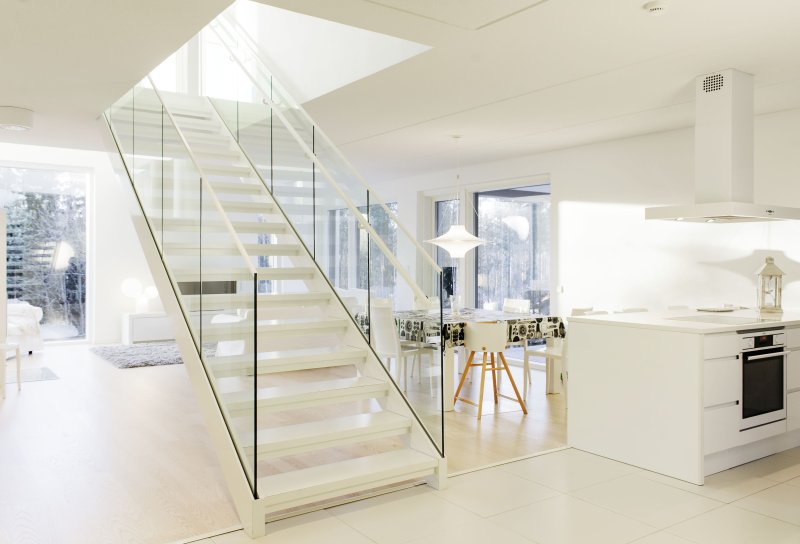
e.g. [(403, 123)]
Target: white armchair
[(23, 325)]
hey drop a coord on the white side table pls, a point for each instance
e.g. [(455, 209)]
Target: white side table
[(4, 364), (146, 327)]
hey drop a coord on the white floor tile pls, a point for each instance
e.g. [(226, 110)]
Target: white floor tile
[(662, 537), (569, 470), (779, 467), (727, 486), (567, 520), (310, 528), (794, 452), (781, 502), (733, 525), (647, 501), (492, 491), (478, 531), (403, 516)]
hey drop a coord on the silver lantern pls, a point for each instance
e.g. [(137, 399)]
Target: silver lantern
[(770, 278)]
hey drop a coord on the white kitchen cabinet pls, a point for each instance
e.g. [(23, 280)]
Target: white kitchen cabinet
[(716, 346), (793, 411), (664, 393), (721, 428), (722, 381), (793, 371)]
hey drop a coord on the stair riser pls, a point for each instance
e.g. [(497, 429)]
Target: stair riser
[(265, 303), (266, 335), (266, 251)]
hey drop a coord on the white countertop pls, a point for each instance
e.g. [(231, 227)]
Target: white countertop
[(745, 320)]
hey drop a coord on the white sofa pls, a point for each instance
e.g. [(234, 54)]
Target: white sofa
[(23, 325)]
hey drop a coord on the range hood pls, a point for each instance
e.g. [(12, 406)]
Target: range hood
[(723, 155)]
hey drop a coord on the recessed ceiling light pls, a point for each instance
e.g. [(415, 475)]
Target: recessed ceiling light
[(710, 220), (658, 7), (679, 219), (15, 119)]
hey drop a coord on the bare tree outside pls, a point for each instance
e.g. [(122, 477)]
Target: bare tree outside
[(46, 240)]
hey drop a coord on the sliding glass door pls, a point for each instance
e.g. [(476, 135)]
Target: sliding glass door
[(515, 260)]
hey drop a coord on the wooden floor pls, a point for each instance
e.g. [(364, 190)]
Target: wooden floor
[(108, 455), (503, 432), (103, 455)]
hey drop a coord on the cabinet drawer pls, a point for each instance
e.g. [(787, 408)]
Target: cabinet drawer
[(793, 338), (721, 345), (793, 371), (793, 411), (722, 381), (721, 428)]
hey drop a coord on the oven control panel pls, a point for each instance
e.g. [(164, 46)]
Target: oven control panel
[(763, 340)]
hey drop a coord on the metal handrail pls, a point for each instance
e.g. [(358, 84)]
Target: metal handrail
[(317, 130), (204, 182), (418, 292)]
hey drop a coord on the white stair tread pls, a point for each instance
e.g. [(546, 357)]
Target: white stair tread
[(325, 431), (239, 226), (297, 325), (275, 396), (225, 274), (345, 352), (245, 300), (286, 360), (325, 478)]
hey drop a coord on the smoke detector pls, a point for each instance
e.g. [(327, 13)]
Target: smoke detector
[(658, 7), (15, 119)]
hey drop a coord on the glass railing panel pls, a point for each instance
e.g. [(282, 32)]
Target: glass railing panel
[(226, 318), (324, 199), (203, 257)]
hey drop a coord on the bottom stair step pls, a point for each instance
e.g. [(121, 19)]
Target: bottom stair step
[(323, 482)]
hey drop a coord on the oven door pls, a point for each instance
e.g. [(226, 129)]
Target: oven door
[(763, 386)]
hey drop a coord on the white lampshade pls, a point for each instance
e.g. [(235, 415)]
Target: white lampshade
[(456, 241), (132, 287)]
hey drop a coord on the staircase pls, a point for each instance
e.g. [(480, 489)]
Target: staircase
[(308, 412)]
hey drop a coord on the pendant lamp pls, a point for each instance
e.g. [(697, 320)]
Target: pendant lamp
[(457, 241)]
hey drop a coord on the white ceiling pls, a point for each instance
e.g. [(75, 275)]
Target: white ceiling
[(513, 77), (69, 60)]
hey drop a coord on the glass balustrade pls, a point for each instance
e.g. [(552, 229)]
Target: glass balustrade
[(355, 237), (214, 279)]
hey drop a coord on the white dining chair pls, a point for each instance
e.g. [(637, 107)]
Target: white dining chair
[(386, 341), (490, 339)]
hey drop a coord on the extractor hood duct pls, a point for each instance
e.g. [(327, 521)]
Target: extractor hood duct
[(723, 156)]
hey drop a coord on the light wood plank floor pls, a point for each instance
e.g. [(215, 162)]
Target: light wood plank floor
[(106, 456)]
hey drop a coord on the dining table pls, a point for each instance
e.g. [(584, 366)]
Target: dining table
[(424, 326)]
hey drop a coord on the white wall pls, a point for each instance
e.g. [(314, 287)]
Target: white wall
[(605, 255), (114, 250)]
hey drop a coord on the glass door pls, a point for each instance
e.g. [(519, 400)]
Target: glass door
[(515, 260)]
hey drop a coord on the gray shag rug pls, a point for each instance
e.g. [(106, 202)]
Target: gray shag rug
[(137, 355)]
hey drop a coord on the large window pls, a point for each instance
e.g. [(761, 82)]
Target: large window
[(354, 262), (515, 261), (46, 241)]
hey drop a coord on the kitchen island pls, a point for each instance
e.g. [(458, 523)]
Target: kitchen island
[(664, 392)]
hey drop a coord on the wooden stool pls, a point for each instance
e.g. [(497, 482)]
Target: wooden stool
[(4, 364), (489, 338)]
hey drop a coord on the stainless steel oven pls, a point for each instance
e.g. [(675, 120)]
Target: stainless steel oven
[(763, 378)]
